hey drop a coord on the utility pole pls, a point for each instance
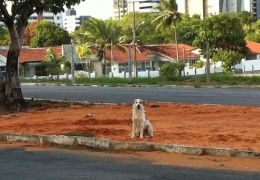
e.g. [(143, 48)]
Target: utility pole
[(134, 41), (72, 63), (130, 62), (208, 62)]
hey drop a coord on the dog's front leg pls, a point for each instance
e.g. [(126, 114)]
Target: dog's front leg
[(133, 130), (142, 130)]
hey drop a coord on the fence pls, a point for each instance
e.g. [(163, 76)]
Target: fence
[(124, 74), (188, 70), (249, 65)]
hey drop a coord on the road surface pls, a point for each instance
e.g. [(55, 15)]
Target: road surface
[(17, 163), (230, 96)]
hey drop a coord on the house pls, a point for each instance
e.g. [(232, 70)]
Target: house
[(254, 50), (30, 60), (252, 62), (148, 57)]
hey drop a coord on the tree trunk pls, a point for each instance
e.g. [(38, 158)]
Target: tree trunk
[(13, 97), (13, 94)]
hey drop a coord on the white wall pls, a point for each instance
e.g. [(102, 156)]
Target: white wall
[(249, 65)]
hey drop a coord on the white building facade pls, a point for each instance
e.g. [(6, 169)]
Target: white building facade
[(71, 21), (129, 6), (49, 16), (213, 7)]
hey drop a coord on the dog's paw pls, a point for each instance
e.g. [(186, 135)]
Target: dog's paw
[(132, 136)]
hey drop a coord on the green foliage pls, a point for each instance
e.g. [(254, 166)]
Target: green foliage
[(54, 63), (228, 59), (169, 16), (122, 81), (223, 31), (169, 71), (199, 64), (145, 33), (103, 34), (253, 33), (188, 28), (48, 34), (83, 51), (4, 36)]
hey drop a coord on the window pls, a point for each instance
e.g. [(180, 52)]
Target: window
[(144, 66), (146, 7), (123, 67)]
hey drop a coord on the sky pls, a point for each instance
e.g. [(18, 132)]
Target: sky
[(102, 9)]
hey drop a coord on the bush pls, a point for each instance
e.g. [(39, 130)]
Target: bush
[(169, 71), (172, 71)]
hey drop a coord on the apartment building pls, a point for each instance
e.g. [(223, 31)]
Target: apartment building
[(49, 16), (71, 21), (134, 5), (212, 7), (120, 8)]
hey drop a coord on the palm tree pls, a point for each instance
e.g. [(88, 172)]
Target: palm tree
[(84, 52), (104, 34), (170, 16)]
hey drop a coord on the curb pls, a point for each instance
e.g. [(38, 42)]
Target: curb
[(111, 145)]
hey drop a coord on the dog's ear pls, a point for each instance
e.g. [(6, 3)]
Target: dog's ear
[(143, 102)]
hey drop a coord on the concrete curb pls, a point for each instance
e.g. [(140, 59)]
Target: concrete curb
[(111, 145)]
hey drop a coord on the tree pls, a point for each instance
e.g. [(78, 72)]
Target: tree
[(49, 34), (223, 31), (16, 21), (169, 17), (29, 33), (84, 52), (254, 35), (104, 34), (188, 28), (54, 63), (228, 59)]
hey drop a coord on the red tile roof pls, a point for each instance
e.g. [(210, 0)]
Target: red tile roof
[(144, 52), (33, 54), (253, 46)]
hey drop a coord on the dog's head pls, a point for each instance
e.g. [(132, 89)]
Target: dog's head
[(139, 104)]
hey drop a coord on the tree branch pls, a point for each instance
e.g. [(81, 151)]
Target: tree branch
[(4, 10)]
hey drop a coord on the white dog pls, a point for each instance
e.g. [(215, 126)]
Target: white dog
[(141, 125)]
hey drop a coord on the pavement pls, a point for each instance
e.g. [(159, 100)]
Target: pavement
[(28, 163), (227, 96)]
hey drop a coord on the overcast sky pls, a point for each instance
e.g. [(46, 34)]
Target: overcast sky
[(102, 9)]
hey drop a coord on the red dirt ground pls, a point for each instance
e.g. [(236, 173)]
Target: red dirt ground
[(201, 125)]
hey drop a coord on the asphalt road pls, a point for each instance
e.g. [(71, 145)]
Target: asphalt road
[(16, 163), (230, 96)]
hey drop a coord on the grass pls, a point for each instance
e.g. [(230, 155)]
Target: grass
[(217, 80)]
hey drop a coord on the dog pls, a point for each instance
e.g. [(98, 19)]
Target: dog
[(141, 125)]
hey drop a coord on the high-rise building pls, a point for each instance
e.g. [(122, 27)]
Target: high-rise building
[(71, 21), (212, 7), (49, 16), (255, 8), (120, 8), (134, 5)]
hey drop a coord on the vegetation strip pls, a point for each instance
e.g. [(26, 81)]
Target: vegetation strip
[(111, 145)]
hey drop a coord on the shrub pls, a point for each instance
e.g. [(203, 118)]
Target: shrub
[(172, 71)]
